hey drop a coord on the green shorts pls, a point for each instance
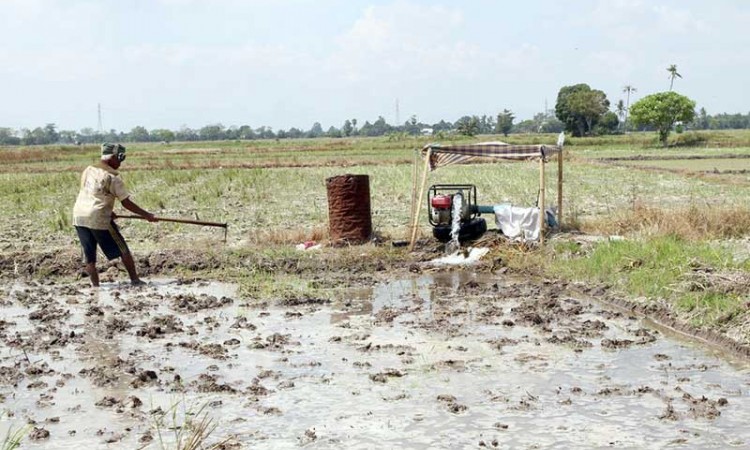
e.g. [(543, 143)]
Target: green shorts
[(110, 241)]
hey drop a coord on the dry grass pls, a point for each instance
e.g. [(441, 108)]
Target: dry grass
[(278, 236), (692, 223), (165, 163)]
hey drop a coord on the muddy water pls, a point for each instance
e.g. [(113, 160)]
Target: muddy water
[(446, 360)]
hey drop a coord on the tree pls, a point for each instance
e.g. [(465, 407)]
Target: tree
[(412, 126), (212, 132), (548, 123), (347, 128), (620, 110), (315, 131), (702, 122), (487, 124), (607, 124), (662, 111), (295, 133), (441, 126), (505, 122), (468, 126), (580, 108), (50, 134), (672, 69), (139, 134), (245, 132), (7, 137), (265, 132), (377, 128), (627, 89), (163, 135)]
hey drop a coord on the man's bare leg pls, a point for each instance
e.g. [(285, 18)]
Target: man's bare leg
[(93, 274), (127, 260)]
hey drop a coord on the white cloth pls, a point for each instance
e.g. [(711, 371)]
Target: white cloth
[(517, 222)]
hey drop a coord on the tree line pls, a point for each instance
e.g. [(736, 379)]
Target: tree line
[(579, 110), (469, 125)]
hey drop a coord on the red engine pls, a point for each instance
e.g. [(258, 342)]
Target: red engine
[(442, 201)]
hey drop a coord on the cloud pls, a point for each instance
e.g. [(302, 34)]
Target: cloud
[(679, 21), (404, 42), (400, 39)]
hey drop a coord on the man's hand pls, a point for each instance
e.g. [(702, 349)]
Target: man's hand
[(114, 215), (150, 217)]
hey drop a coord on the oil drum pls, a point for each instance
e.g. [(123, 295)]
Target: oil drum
[(349, 217)]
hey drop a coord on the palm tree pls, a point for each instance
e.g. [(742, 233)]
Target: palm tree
[(628, 89), (672, 69), (620, 109)]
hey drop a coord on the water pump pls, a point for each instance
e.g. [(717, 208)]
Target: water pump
[(453, 210)]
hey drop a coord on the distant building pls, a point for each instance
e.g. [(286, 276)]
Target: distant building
[(426, 131)]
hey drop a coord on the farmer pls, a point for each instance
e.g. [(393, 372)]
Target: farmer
[(93, 216)]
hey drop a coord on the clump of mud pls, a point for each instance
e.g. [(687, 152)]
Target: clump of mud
[(160, 326), (193, 303)]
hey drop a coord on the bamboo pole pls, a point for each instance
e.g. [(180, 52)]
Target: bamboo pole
[(560, 187), (414, 180), (415, 218), (541, 201)]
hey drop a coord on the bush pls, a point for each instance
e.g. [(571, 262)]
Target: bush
[(690, 139)]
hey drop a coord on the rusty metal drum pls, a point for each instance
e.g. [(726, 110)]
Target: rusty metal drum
[(349, 216)]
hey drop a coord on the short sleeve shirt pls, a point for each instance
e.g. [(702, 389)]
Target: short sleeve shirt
[(100, 186)]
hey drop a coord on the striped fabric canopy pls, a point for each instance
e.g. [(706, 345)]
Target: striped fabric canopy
[(460, 154)]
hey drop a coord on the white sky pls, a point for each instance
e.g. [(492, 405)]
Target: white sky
[(289, 63)]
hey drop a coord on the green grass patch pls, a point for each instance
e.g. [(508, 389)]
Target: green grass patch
[(657, 268)]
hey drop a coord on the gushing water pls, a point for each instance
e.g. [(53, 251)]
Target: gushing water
[(454, 244)]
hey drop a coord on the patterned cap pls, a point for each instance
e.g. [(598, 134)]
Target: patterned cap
[(112, 149)]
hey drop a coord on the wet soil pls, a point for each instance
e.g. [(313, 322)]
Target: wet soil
[(436, 360)]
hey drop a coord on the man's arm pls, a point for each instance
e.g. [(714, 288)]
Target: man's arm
[(132, 207)]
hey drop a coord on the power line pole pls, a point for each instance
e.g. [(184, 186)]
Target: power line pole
[(99, 127)]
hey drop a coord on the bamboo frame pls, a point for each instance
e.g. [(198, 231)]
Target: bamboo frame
[(415, 217), (414, 174), (560, 187), (416, 203), (541, 201)]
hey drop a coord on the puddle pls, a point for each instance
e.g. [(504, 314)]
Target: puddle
[(440, 361)]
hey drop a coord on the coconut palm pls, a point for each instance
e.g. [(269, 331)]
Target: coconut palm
[(672, 69), (620, 110), (627, 89)]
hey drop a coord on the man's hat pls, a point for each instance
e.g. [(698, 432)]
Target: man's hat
[(112, 149)]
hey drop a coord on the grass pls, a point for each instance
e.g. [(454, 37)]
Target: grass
[(14, 437), (185, 429), (657, 268), (695, 165), (693, 222)]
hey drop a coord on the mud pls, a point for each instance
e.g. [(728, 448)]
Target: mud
[(440, 360)]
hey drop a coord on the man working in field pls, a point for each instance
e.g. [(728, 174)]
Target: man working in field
[(93, 216)]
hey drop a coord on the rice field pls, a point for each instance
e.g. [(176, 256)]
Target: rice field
[(278, 188)]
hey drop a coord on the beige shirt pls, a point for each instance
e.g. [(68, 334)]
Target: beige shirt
[(100, 185)]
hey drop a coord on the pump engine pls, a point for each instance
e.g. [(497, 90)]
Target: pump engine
[(453, 207)]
